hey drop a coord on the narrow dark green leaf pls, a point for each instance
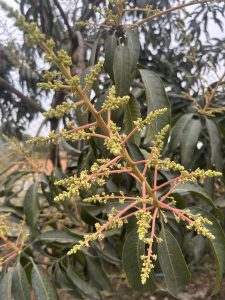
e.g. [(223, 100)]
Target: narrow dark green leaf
[(122, 70), (20, 285), (197, 190), (172, 262), (132, 112), (189, 141), (217, 245), (156, 98), (43, 287), (133, 43), (5, 287), (31, 206), (97, 274), (177, 131), (215, 144), (133, 249), (82, 285), (57, 237), (110, 46)]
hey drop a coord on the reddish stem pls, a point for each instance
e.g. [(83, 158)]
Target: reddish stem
[(152, 232), (84, 126), (169, 192)]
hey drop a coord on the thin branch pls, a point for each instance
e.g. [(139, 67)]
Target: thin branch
[(27, 100), (164, 12), (65, 19)]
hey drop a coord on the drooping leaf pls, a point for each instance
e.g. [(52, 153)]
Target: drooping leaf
[(61, 237), (133, 43), (122, 70), (43, 287), (110, 46), (156, 98), (189, 141), (20, 285), (174, 267), (82, 285), (97, 274), (177, 131), (132, 112), (5, 287), (31, 207), (197, 190), (133, 249), (217, 245), (215, 144)]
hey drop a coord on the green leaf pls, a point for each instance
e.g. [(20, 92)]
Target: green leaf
[(31, 207), (177, 131), (5, 287), (133, 249), (197, 190), (57, 237), (132, 112), (156, 98), (217, 245), (215, 144), (20, 285), (172, 262), (133, 43), (189, 141), (110, 47), (97, 274), (82, 285), (122, 70), (43, 287)]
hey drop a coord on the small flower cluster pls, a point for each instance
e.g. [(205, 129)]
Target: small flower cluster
[(61, 110), (113, 143), (140, 123), (147, 267), (95, 71), (144, 223), (112, 102)]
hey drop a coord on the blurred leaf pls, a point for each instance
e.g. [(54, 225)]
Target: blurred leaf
[(133, 249), (197, 190), (61, 237), (134, 49), (132, 112), (20, 285), (215, 144), (174, 267), (189, 141), (5, 287), (43, 287), (156, 98), (217, 245), (82, 285), (122, 70), (31, 207), (97, 274), (177, 131), (110, 46)]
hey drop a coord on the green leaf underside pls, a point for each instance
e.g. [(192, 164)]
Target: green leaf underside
[(197, 190), (189, 141), (174, 267), (43, 287), (122, 70), (20, 285), (133, 249), (5, 287), (217, 245), (156, 98), (31, 206), (132, 112)]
